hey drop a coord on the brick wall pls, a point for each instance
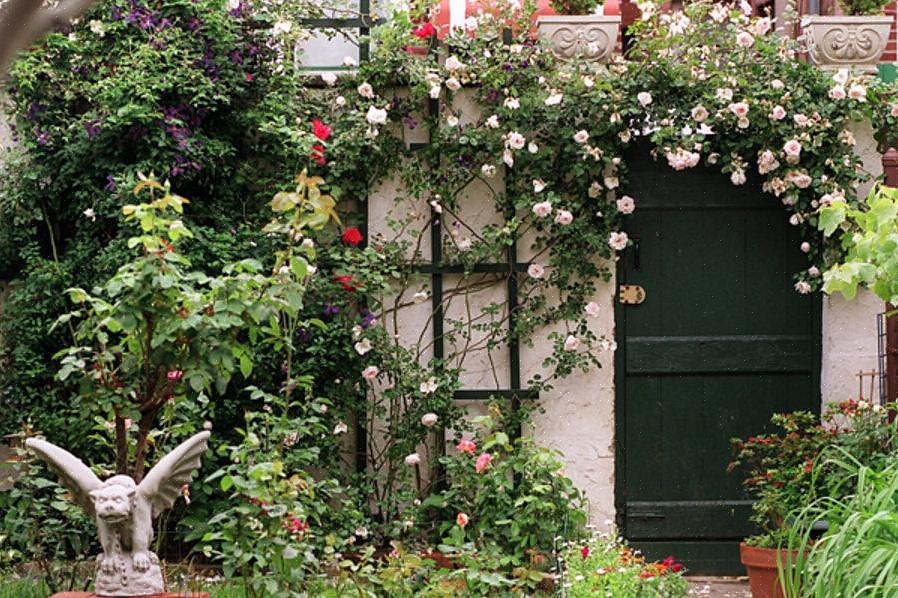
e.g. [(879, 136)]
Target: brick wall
[(890, 54)]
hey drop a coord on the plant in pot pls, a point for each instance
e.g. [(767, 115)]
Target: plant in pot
[(857, 36), (779, 473), (576, 32)]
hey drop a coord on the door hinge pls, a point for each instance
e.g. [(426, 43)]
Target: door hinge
[(631, 294)]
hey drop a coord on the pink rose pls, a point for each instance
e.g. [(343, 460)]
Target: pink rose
[(740, 109), (618, 241), (466, 446), (535, 271), (483, 461), (563, 217), (592, 309), (542, 209), (571, 343), (745, 39), (626, 205), (370, 372), (461, 520), (778, 113)]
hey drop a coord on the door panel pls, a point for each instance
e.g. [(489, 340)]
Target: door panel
[(721, 342)]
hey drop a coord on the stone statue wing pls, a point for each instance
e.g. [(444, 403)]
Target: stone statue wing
[(162, 485), (74, 475)]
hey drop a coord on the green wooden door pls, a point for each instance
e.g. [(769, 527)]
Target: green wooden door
[(721, 342)]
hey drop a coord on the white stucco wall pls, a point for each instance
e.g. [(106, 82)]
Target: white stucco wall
[(849, 327)]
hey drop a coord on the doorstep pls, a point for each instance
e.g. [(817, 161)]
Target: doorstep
[(719, 587)]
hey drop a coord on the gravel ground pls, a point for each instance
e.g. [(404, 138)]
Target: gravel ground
[(720, 587)]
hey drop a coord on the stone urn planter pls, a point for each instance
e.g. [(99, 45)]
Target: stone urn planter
[(836, 42), (763, 577), (587, 37)]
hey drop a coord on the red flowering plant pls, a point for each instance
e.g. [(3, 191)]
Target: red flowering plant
[(788, 469)]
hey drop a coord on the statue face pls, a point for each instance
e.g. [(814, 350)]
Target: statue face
[(113, 502)]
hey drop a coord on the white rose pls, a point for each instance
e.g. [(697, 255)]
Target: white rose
[(532, 147), (363, 346), (563, 217), (413, 459), (554, 99), (538, 185), (488, 170), (515, 140), (581, 136), (535, 271), (542, 209), (452, 120), (511, 103), (376, 116), (571, 343), (428, 420), (453, 63), (453, 84), (329, 78), (626, 205), (745, 39), (618, 241), (644, 98), (493, 122), (699, 113), (592, 309)]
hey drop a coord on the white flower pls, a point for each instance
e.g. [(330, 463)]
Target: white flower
[(340, 428), (535, 271), (767, 162), (777, 84), (737, 177), (626, 205), (376, 116), (588, 81), (413, 459), (682, 159), (429, 386), (745, 39), (532, 147), (611, 182), (428, 420), (471, 23), (349, 62), (699, 113), (488, 170), (508, 158), (563, 217), (841, 76), (806, 247), (452, 120), (363, 346), (644, 98), (857, 92), (365, 90), (837, 92), (581, 136), (618, 241), (370, 372), (704, 129), (281, 27), (453, 84), (97, 28), (592, 309), (340, 101), (436, 206), (435, 91), (538, 185), (803, 287), (740, 109), (493, 122), (792, 148), (814, 271), (571, 343), (542, 209), (90, 214), (724, 93), (511, 103), (233, 4), (778, 113), (515, 140), (554, 99), (763, 26), (329, 78), (453, 63), (420, 297)]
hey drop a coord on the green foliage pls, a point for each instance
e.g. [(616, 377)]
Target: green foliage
[(606, 566), (787, 470), (574, 7), (869, 236), (513, 495), (863, 7), (42, 526), (858, 554)]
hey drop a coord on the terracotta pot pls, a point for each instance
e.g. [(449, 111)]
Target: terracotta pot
[(841, 42), (588, 37), (763, 577)]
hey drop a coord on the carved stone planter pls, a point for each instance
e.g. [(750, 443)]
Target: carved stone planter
[(842, 42), (588, 37)]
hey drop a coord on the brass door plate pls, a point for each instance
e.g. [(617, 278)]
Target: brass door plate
[(631, 294)]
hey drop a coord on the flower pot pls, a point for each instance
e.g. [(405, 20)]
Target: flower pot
[(587, 37), (841, 42), (763, 577)]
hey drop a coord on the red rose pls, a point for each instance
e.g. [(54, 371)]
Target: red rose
[(585, 551), (676, 567), (424, 31), (346, 282), (321, 130), (318, 154), (352, 236), (249, 77)]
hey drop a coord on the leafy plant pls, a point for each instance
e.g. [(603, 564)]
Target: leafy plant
[(863, 7), (574, 7), (869, 237), (508, 495), (605, 566), (857, 555)]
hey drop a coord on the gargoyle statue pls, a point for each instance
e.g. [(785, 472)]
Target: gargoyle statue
[(124, 512)]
